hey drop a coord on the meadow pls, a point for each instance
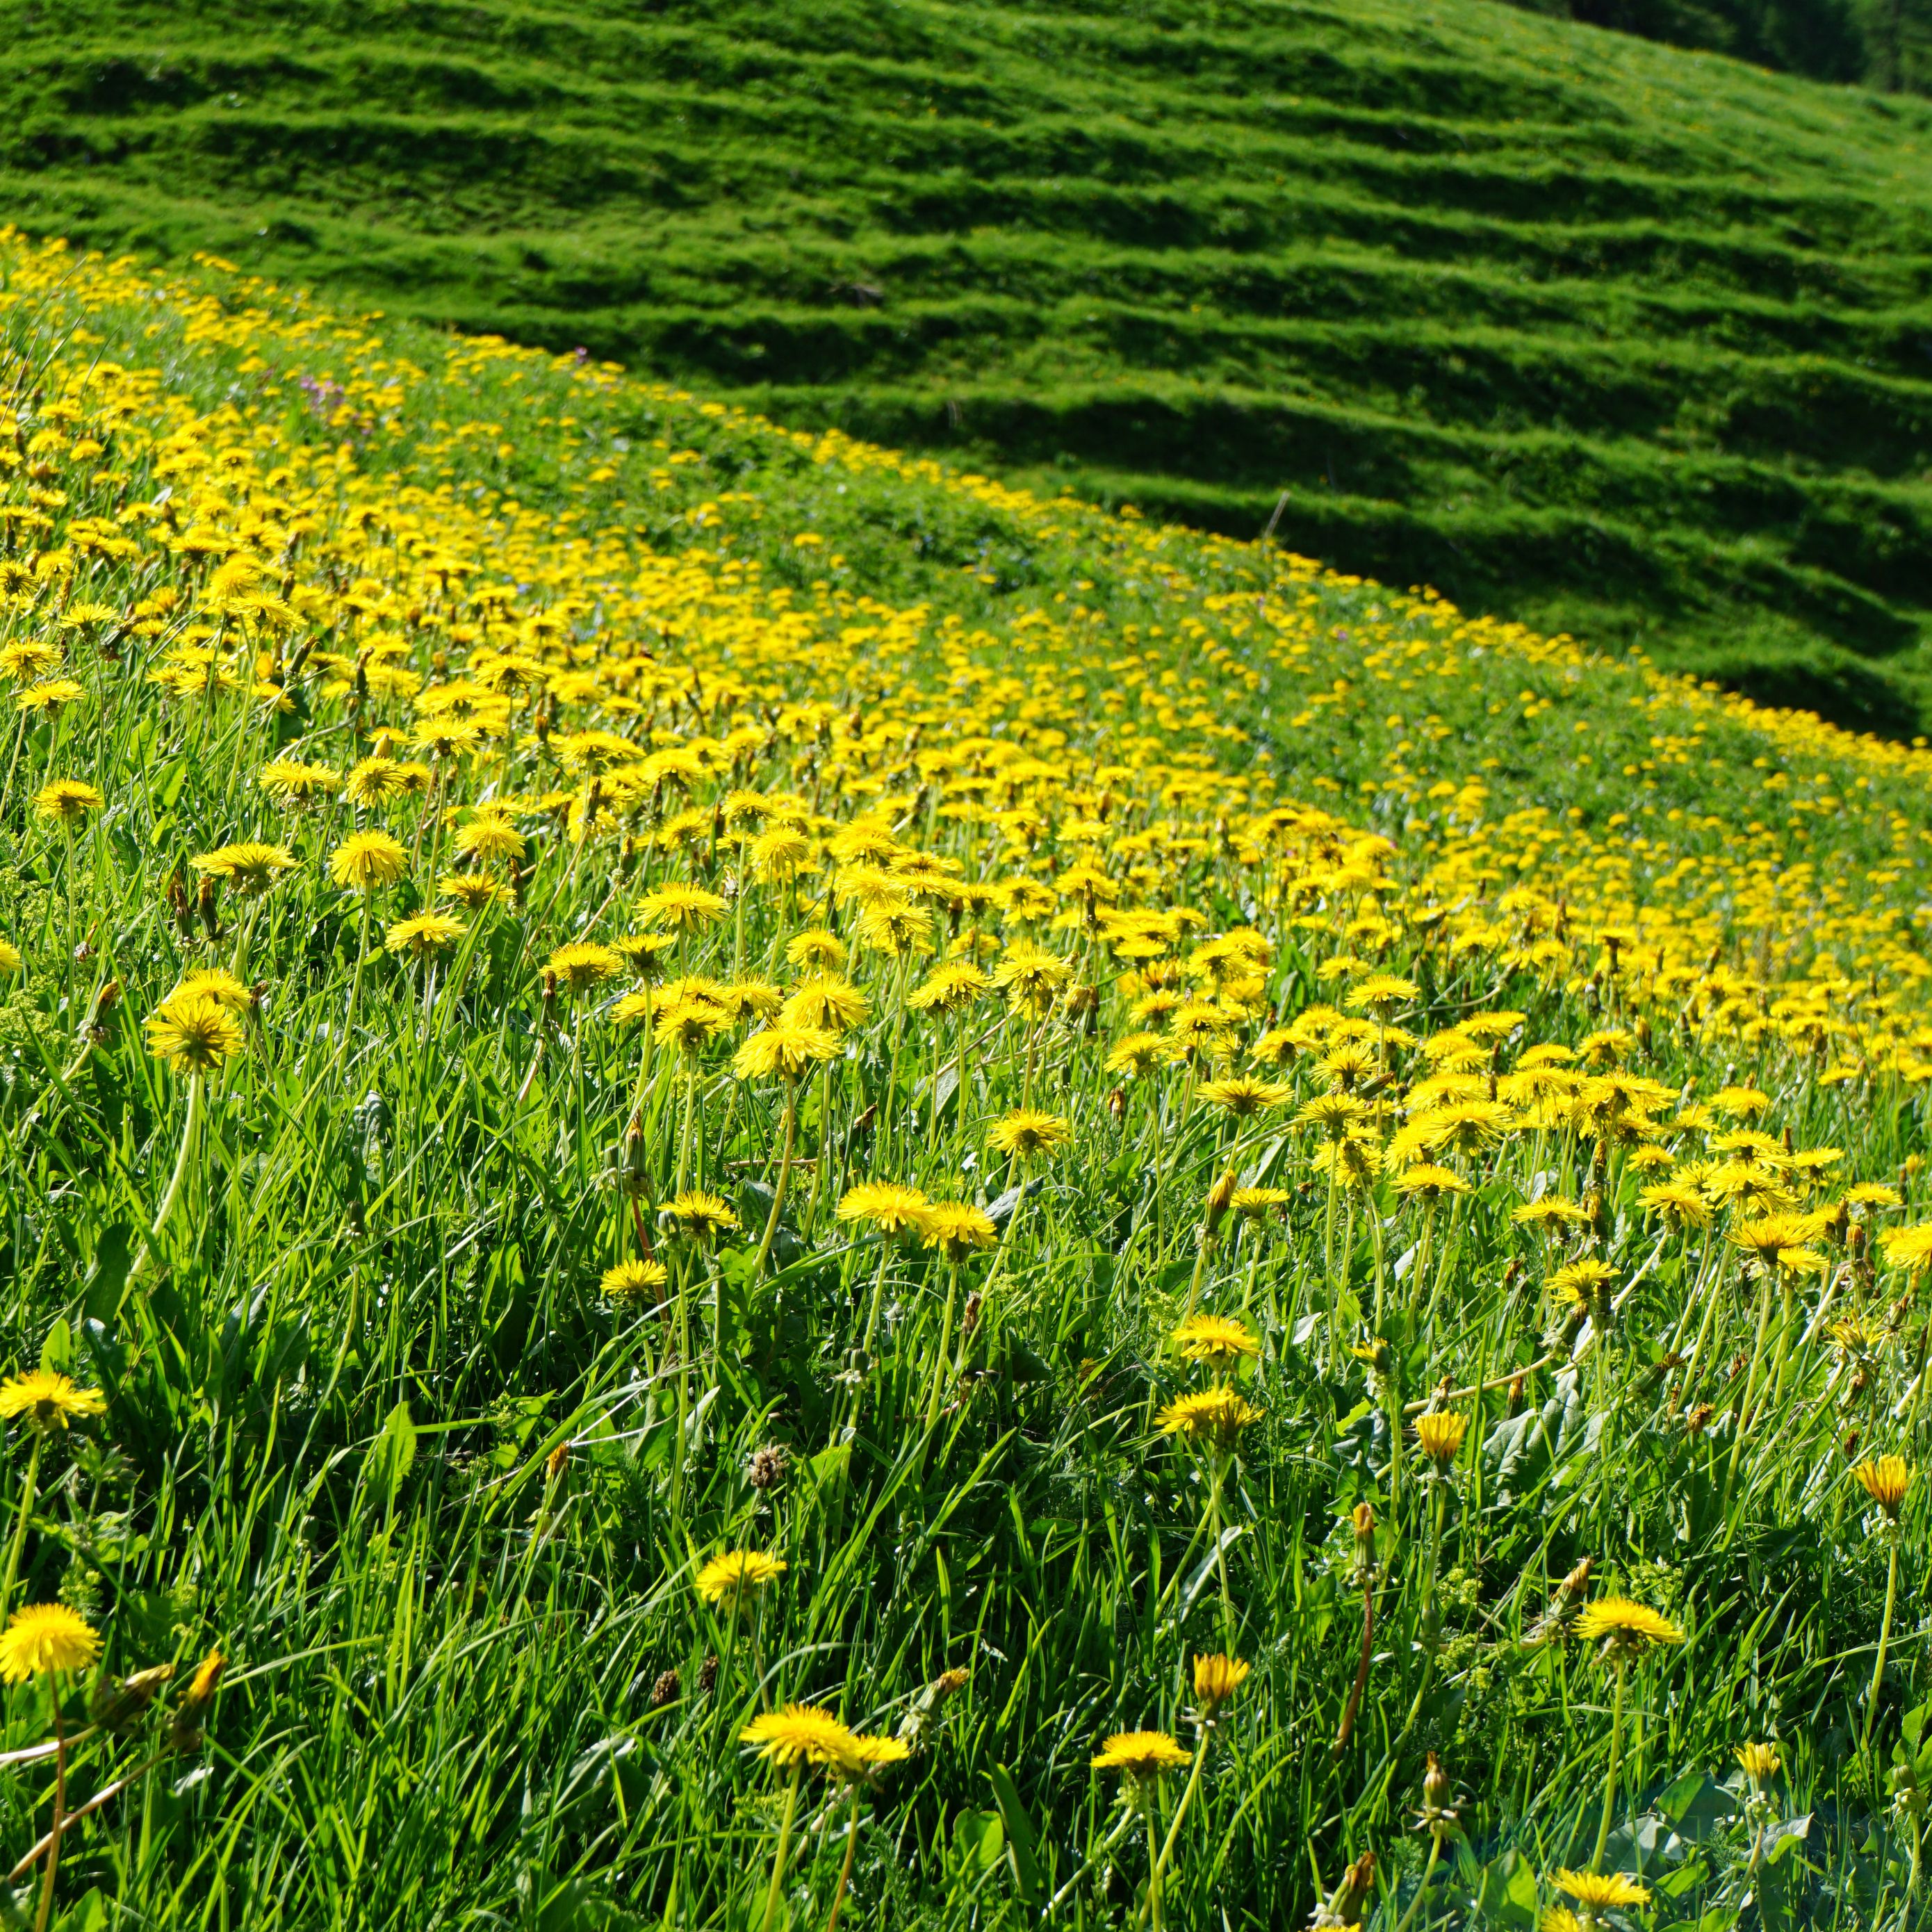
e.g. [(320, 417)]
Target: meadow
[(748, 1182), (1587, 333)]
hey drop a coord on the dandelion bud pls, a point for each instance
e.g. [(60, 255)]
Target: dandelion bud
[(969, 1319), (949, 1681), (185, 1734), (556, 1462), (1116, 1103), (1218, 1196), (1434, 1784), (180, 905), (1364, 1518), (633, 1167), (206, 910), (1346, 1902), (121, 1703)]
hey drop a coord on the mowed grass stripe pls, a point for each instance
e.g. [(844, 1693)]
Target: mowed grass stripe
[(1565, 323)]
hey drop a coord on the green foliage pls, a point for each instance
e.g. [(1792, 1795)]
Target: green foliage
[(1579, 329)]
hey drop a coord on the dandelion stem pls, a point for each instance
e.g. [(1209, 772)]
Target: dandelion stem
[(784, 1846), (1422, 1890), (45, 1912), (783, 1180), (1610, 1776), (1884, 1639), (845, 1868), (945, 1335), (28, 1490)]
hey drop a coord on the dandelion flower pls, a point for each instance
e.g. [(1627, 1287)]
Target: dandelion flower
[(1243, 1096), (1136, 1055), (43, 1637), (1216, 1680), (366, 860), (48, 1401), (1597, 1892), (249, 868), (726, 1579), (828, 1001), (1141, 1755), (787, 1051), (799, 1734), (815, 950), (634, 1281), (423, 936), (891, 1209), (705, 1216), (1626, 1628), (1215, 1340), (66, 801), (683, 908), (1026, 1131), (1760, 1763), (1440, 1435), (194, 1035), (295, 783), (956, 1228), (489, 837), (1886, 1480), (1216, 1416)]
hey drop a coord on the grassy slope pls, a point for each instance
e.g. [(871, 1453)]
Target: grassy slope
[(1580, 329), (442, 1715)]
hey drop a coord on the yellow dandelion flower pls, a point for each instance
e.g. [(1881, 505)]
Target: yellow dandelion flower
[(1886, 1480), (194, 1034), (365, 861), (1440, 1434), (423, 936), (1026, 1132), (66, 801), (47, 1401), (1141, 1755), (634, 1281), (738, 1573), (799, 1734), (45, 1637), (1626, 1628), (892, 1209), (956, 1228), (1215, 1340), (1216, 1680)]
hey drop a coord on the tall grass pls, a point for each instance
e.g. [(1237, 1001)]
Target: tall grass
[(402, 1417)]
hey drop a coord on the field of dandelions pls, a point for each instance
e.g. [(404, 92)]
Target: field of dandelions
[(746, 1185)]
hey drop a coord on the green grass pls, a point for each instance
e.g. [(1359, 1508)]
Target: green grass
[(1583, 330), (369, 1316)]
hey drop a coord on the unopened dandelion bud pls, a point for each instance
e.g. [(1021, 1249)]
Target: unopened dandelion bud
[(206, 910), (1218, 1196), (1345, 1904), (122, 1702), (191, 1716), (556, 1462)]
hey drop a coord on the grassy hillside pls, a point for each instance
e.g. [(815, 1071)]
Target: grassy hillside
[(501, 864), (1580, 330)]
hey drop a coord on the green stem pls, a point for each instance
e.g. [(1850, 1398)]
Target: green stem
[(28, 1490), (784, 1846), (1884, 1638), (1422, 1890), (46, 1912), (945, 1336), (1610, 1777), (845, 1869), (783, 1180)]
